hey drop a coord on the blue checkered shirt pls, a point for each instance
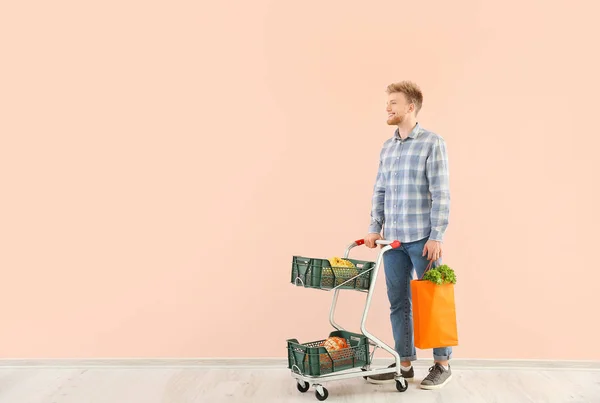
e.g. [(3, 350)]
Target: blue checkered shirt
[(411, 196)]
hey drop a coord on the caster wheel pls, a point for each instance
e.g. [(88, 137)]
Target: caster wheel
[(303, 388), (364, 369), (323, 396), (401, 385)]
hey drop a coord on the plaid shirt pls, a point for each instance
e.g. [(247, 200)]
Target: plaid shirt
[(411, 197)]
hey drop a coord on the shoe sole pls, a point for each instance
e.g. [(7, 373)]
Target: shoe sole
[(385, 381), (380, 381), (433, 387)]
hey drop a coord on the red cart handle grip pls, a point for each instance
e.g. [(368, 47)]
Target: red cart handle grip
[(395, 244)]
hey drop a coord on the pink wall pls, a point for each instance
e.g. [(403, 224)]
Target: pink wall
[(156, 183)]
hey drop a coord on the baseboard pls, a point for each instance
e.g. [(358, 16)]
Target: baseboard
[(281, 363)]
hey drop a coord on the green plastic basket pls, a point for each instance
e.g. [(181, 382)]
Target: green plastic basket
[(310, 359), (318, 273)]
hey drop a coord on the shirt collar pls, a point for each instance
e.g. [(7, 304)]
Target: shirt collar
[(412, 135)]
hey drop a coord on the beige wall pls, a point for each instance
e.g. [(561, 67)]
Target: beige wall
[(156, 183)]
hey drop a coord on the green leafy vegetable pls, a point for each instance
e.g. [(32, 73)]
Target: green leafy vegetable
[(442, 274)]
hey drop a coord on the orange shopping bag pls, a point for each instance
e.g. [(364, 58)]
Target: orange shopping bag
[(434, 311)]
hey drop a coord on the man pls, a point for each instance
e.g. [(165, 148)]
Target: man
[(411, 202)]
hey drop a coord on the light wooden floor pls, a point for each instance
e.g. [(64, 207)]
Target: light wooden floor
[(274, 384)]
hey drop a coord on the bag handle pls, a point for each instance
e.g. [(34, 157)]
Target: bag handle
[(427, 269)]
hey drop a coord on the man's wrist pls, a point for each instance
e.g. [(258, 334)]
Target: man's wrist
[(436, 236), (375, 229)]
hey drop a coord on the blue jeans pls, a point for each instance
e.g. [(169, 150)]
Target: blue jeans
[(399, 264)]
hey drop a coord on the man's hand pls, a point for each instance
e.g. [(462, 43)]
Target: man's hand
[(433, 250), (370, 240)]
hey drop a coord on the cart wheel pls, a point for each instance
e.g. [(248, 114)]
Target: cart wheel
[(400, 386), (321, 397), (302, 388), (364, 369)]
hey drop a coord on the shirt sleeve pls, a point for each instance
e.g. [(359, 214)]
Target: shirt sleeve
[(377, 201), (439, 187)]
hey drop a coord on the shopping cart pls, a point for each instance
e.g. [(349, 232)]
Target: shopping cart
[(311, 363)]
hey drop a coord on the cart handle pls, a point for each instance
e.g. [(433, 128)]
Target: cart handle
[(394, 244)]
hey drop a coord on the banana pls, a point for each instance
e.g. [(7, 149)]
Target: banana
[(339, 262), (341, 274)]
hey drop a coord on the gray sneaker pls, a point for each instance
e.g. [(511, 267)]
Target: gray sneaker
[(437, 378), (390, 377)]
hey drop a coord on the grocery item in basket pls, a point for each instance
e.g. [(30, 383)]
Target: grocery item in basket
[(342, 270), (335, 346), (339, 262), (339, 353), (334, 343)]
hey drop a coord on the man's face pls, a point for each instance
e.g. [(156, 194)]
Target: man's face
[(397, 108)]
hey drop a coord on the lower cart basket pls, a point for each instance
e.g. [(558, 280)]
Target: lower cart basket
[(311, 359)]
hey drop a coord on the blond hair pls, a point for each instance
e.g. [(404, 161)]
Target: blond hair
[(411, 91)]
